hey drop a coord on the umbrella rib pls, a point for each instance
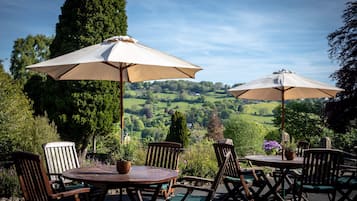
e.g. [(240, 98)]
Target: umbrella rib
[(330, 95), (65, 72), (245, 91), (122, 67), (283, 90), (184, 73)]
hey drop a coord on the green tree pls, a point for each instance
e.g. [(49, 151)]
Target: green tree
[(302, 119), (27, 51), (85, 109), (247, 136), (178, 129), (18, 129), (1, 65), (215, 127), (155, 134), (341, 112)]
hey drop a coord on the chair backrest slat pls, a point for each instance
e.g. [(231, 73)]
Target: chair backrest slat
[(60, 156), (163, 154), (321, 166), (233, 167), (32, 176), (301, 146)]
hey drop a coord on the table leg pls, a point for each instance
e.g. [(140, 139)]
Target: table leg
[(156, 193), (274, 189)]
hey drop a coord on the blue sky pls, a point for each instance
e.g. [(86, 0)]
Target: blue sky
[(234, 41)]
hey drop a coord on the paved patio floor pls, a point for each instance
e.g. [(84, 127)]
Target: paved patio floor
[(312, 197)]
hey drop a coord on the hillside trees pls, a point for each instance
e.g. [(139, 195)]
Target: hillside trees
[(85, 109), (342, 111)]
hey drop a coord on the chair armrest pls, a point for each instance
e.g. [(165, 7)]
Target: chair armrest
[(348, 170), (191, 188), (196, 179), (74, 192)]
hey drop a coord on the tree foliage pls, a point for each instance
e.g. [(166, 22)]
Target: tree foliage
[(302, 119), (341, 112), (215, 127), (178, 129), (27, 51), (19, 130), (247, 136)]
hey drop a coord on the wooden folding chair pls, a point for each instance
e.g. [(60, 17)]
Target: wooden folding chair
[(34, 181), (347, 181), (301, 146), (192, 184), (319, 173), (164, 155), (61, 156), (244, 184)]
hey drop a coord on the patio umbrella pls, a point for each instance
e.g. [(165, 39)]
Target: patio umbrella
[(119, 58), (284, 85)]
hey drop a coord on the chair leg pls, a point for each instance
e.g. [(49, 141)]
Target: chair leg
[(230, 192)]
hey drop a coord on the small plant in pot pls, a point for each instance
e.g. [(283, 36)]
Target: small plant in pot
[(124, 158), (290, 150)]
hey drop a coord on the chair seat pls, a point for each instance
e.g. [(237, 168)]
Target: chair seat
[(347, 180), (179, 196), (247, 178), (163, 187), (315, 187), (74, 186)]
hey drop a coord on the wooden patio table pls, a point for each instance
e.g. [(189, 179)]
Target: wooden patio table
[(109, 178), (275, 161)]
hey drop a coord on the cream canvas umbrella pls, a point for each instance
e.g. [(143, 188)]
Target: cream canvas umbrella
[(284, 85), (119, 58)]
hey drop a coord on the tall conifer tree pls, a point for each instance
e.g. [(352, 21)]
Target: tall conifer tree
[(178, 129), (85, 109)]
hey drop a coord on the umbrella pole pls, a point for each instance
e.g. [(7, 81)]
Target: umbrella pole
[(282, 122), (282, 112), (121, 83)]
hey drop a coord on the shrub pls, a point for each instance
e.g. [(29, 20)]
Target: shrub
[(345, 141), (9, 183), (247, 136), (199, 160)]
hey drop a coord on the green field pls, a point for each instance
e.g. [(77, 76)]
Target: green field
[(260, 112)]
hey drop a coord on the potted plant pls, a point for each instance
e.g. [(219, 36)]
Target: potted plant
[(124, 158), (290, 150)]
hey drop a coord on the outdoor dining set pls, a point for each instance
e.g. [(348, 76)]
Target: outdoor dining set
[(123, 59), (314, 170)]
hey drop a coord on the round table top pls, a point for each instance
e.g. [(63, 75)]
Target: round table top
[(108, 175), (275, 161)]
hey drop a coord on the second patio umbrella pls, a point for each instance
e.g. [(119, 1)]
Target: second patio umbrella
[(284, 85), (119, 58)]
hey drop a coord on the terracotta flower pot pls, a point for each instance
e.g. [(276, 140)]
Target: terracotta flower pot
[(290, 155), (123, 167)]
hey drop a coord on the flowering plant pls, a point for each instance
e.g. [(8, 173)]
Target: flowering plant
[(271, 146)]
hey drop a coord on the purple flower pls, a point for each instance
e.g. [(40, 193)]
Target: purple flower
[(271, 145)]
